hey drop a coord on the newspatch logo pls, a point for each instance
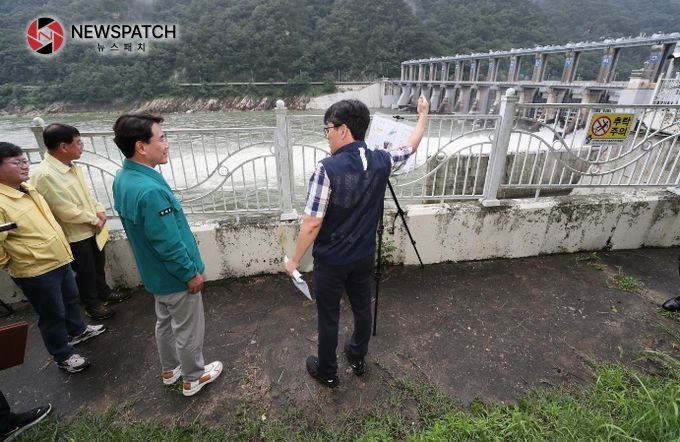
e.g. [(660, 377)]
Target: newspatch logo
[(45, 35)]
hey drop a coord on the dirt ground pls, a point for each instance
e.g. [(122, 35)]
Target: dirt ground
[(490, 330)]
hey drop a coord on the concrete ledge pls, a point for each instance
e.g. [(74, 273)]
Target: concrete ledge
[(520, 228), (457, 232)]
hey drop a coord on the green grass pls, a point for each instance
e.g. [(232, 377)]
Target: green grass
[(621, 405), (593, 260), (675, 316), (625, 283), (620, 281), (387, 253)]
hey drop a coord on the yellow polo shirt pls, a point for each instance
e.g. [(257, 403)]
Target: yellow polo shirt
[(71, 202), (38, 244)]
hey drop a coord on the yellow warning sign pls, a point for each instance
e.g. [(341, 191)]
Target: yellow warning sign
[(610, 126)]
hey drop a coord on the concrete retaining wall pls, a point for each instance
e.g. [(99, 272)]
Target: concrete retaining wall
[(456, 232)]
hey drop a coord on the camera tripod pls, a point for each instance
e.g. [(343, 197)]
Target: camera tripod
[(378, 266)]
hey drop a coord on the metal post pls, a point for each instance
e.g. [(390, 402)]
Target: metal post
[(37, 125), (499, 150), (284, 163)]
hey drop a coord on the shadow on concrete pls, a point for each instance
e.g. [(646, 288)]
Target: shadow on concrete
[(491, 330)]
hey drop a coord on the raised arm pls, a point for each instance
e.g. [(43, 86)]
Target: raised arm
[(423, 109)]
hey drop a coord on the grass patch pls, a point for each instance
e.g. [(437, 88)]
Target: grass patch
[(620, 281), (621, 405), (387, 250), (673, 333), (625, 283), (593, 260), (675, 316)]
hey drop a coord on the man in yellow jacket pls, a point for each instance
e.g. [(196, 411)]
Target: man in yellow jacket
[(38, 258), (79, 214)]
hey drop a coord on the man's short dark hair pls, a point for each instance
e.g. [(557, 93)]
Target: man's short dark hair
[(130, 128), (353, 113), (55, 134), (9, 150)]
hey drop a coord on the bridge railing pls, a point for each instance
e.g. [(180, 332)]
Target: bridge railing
[(211, 171), (527, 150), (549, 150)]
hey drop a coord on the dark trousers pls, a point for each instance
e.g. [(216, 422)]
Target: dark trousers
[(88, 264), (54, 296), (5, 414), (329, 284)]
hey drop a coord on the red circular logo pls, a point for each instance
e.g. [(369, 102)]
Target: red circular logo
[(45, 35)]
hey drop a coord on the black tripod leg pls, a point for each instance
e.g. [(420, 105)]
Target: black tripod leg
[(381, 228), (378, 266), (400, 213)]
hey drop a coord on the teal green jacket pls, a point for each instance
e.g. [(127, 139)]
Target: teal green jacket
[(162, 242)]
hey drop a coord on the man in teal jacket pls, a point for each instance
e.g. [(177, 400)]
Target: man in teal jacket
[(165, 250)]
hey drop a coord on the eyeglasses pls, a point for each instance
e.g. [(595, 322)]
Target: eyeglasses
[(327, 129), (19, 163)]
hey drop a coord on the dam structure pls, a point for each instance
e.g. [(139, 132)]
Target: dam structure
[(583, 72)]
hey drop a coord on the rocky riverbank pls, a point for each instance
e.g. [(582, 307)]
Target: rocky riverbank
[(166, 105), (247, 103)]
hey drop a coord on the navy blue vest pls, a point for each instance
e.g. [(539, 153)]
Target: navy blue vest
[(358, 178)]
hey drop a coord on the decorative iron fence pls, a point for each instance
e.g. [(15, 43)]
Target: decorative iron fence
[(551, 148), (526, 150)]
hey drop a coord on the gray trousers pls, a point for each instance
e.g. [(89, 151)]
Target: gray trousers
[(180, 328)]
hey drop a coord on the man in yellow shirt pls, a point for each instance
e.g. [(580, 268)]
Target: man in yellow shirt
[(80, 215), (38, 258)]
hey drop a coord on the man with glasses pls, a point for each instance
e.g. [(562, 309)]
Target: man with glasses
[(38, 258), (344, 204), (165, 250), (80, 215)]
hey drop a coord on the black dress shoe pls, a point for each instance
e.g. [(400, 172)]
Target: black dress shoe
[(99, 312), (313, 370), (358, 365), (672, 305), (116, 297)]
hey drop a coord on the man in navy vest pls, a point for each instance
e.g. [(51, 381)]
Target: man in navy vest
[(344, 205)]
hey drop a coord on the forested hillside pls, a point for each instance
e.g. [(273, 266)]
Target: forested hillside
[(579, 20), (294, 41)]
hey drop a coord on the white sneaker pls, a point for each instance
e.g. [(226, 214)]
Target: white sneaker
[(170, 377), (90, 332), (74, 364), (212, 371)]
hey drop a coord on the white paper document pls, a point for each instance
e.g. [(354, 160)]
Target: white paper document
[(298, 282), (387, 133)]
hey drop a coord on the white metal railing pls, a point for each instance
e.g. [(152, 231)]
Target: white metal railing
[(452, 160), (217, 170), (549, 149), (524, 151)]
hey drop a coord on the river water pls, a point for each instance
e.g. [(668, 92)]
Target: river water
[(16, 129)]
